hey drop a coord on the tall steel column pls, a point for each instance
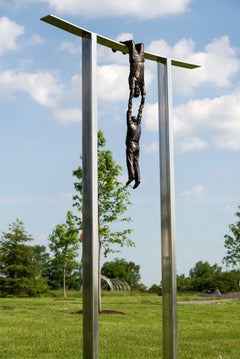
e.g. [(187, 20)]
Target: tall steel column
[(169, 305), (90, 197)]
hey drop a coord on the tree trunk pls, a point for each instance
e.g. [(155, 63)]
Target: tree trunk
[(64, 283), (99, 278)]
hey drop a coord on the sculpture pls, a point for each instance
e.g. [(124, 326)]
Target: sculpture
[(136, 88)]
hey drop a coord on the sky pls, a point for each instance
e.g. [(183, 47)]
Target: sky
[(40, 133)]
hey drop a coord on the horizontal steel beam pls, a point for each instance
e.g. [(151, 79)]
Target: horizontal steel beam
[(78, 31)]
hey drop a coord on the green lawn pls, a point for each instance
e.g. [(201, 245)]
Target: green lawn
[(51, 328)]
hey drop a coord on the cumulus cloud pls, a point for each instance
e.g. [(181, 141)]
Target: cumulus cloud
[(217, 56), (9, 31), (41, 86), (45, 89), (72, 48), (112, 84), (199, 124), (142, 9), (215, 120), (206, 122)]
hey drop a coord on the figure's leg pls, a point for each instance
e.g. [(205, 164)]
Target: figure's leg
[(130, 166), (129, 43), (136, 170)]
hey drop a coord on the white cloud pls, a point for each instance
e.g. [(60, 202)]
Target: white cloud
[(36, 39), (219, 63), (198, 124), (142, 9), (201, 123), (9, 31), (111, 82), (45, 89), (150, 118), (41, 86), (195, 191), (192, 144), (66, 115), (215, 120), (72, 48)]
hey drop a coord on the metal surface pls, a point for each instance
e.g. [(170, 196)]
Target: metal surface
[(90, 197), (169, 305), (76, 30)]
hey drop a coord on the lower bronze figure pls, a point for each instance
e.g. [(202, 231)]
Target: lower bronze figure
[(133, 149)]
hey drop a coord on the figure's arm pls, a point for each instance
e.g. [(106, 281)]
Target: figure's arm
[(129, 117), (140, 110), (131, 93)]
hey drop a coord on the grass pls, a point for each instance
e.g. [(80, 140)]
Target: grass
[(50, 328)]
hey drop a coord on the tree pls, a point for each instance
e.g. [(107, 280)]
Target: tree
[(64, 245), (203, 276), (123, 270), (113, 200), (155, 289), (232, 243), (42, 260), (19, 272)]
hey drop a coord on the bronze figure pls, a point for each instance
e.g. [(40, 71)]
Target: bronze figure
[(136, 88)]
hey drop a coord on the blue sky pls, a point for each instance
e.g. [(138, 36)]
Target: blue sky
[(40, 101)]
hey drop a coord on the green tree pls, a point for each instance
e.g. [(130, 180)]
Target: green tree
[(203, 276), (155, 289), (183, 283), (232, 243), (42, 260), (64, 244), (113, 200), (19, 273), (123, 270)]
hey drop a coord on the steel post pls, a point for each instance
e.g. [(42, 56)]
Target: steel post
[(169, 305), (90, 197)]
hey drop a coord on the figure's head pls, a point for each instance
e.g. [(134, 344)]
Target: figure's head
[(137, 91), (134, 119)]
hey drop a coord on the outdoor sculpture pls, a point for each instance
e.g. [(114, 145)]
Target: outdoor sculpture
[(136, 88)]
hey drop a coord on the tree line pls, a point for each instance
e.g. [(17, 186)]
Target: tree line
[(27, 269)]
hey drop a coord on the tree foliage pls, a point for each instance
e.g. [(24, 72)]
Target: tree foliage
[(232, 243), (206, 278), (123, 270), (64, 244), (113, 200), (20, 274)]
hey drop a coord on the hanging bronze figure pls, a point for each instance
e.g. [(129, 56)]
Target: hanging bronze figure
[(136, 89)]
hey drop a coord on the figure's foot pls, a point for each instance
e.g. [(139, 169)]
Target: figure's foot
[(127, 42), (137, 183), (129, 181)]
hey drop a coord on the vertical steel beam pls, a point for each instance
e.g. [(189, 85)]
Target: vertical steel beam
[(90, 197), (169, 305)]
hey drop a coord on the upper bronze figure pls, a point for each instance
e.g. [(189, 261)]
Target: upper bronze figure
[(136, 73)]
